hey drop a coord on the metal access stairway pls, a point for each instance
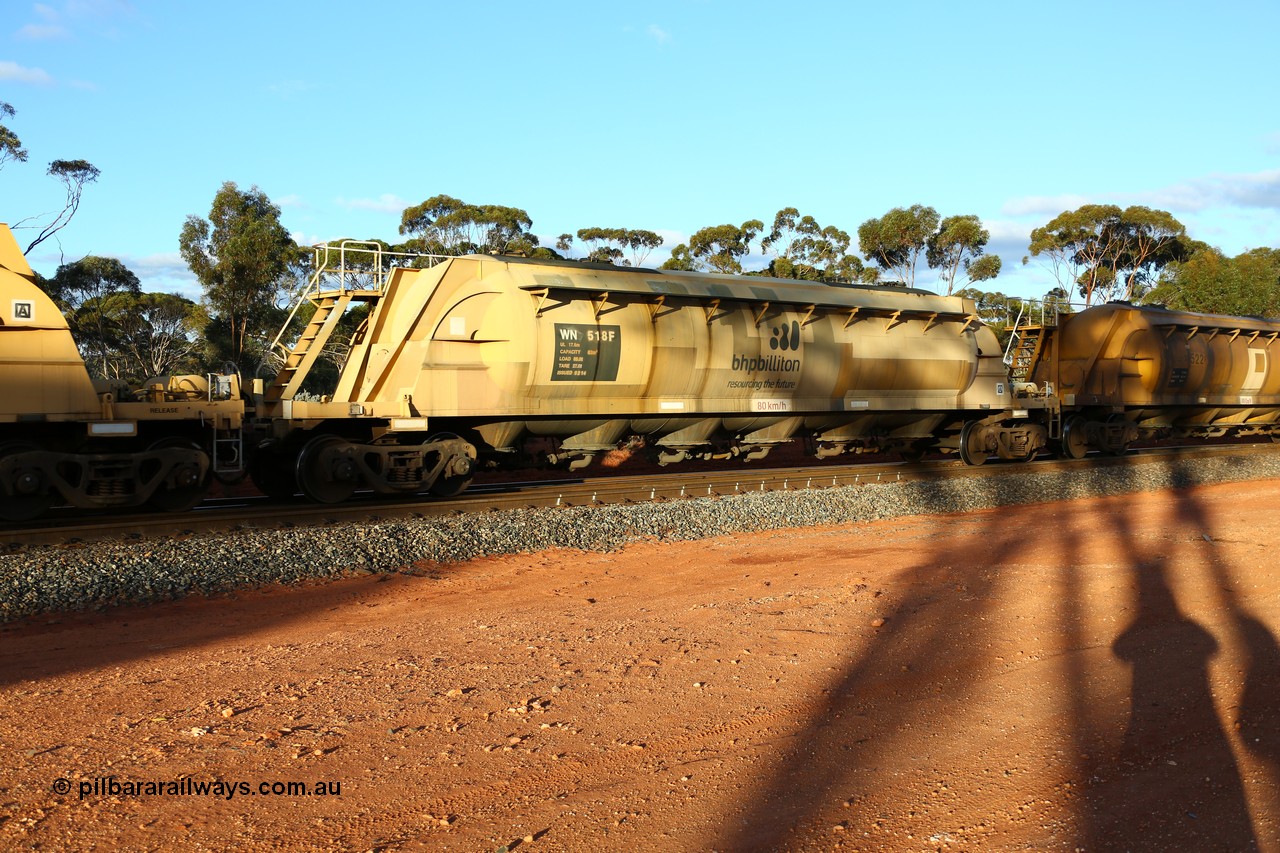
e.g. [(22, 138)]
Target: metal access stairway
[(352, 271), (1024, 351), (330, 307)]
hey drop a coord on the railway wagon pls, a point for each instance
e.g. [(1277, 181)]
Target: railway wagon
[(1122, 371), (65, 438), (484, 358)]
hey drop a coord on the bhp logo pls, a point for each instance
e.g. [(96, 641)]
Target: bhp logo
[(786, 337)]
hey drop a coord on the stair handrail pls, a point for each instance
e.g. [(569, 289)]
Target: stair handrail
[(372, 278), (1013, 335)]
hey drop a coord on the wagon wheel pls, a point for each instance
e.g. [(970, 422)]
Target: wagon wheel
[(1075, 439), (326, 479), (189, 487), (1117, 418), (31, 496), (911, 453), (971, 451), (448, 487)]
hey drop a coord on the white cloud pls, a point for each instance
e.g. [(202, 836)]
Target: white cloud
[(14, 72), (59, 22), (385, 203), (1259, 190), (293, 200), (658, 34), (1256, 189), (164, 272), (42, 32), (1051, 205)]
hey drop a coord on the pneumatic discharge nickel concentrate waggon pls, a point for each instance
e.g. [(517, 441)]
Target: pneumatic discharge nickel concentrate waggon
[(479, 360)]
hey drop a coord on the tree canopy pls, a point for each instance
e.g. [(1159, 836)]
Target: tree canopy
[(1210, 282), (959, 244), (896, 241), (11, 149), (1104, 252), (805, 250), (719, 248), (82, 289), (608, 245), (243, 258), (74, 175), (444, 225)]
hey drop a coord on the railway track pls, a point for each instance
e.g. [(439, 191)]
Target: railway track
[(255, 512)]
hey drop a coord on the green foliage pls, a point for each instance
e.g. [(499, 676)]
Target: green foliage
[(720, 247), (123, 332), (245, 260), (1104, 252), (158, 334), (681, 259), (805, 250), (958, 244), (1211, 283), (607, 245), (896, 241), (10, 146), (73, 174), (83, 290), (444, 225)]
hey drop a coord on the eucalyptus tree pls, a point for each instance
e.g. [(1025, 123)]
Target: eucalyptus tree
[(245, 261), (1147, 241), (681, 259), (11, 149), (158, 333), (1210, 282), (444, 225), (803, 249), (719, 248), (1101, 250), (1080, 248), (84, 289), (896, 241), (960, 243), (74, 175), (608, 245)]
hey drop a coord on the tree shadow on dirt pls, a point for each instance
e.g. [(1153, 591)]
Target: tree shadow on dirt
[(1163, 776), (936, 629)]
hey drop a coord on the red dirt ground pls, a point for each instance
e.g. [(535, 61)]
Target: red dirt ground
[(1092, 675)]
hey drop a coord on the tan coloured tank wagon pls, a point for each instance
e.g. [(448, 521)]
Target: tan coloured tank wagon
[(495, 358), (65, 438), (1121, 371)]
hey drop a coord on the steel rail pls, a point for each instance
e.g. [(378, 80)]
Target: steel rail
[(231, 514)]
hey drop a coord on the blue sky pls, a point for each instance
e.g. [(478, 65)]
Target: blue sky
[(669, 116)]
